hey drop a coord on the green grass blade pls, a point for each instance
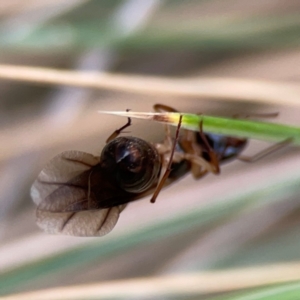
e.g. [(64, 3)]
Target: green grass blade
[(289, 291), (232, 127), (213, 34)]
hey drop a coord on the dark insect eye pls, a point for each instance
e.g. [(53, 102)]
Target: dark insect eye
[(134, 163)]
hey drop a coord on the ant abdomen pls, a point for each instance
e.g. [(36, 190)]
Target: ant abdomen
[(134, 163)]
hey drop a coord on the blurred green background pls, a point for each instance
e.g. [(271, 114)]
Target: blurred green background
[(245, 221)]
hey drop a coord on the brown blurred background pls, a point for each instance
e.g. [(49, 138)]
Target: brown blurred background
[(256, 41)]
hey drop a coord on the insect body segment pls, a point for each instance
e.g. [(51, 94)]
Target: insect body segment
[(134, 163), (225, 147)]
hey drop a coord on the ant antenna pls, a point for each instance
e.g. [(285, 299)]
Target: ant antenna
[(118, 131)]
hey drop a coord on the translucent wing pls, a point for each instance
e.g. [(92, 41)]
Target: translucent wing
[(67, 202), (61, 169), (82, 223)]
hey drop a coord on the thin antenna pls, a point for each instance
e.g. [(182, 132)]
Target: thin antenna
[(118, 131)]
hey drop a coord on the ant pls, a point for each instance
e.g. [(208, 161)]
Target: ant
[(83, 195)]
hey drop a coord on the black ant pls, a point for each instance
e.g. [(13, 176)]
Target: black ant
[(82, 195)]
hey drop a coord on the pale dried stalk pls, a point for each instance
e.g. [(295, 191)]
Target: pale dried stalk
[(219, 88), (182, 284)]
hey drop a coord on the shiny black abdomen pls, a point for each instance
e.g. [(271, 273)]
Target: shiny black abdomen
[(225, 147)]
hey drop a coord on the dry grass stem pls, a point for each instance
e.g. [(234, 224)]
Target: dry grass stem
[(181, 284), (219, 88)]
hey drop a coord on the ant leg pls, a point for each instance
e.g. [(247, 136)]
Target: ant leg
[(193, 151), (265, 152), (168, 169), (200, 162), (214, 161), (168, 144), (163, 108), (118, 131), (188, 143), (190, 146)]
